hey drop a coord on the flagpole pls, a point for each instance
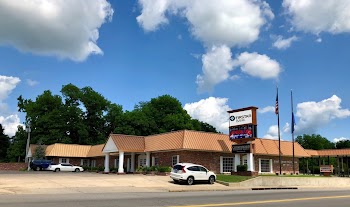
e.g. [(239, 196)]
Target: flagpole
[(279, 135), (291, 99)]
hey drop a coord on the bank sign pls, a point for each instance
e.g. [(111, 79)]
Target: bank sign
[(242, 148), (241, 118)]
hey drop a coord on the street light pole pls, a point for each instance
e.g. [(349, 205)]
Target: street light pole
[(28, 142)]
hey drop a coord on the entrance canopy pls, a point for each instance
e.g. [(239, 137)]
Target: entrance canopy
[(329, 153)]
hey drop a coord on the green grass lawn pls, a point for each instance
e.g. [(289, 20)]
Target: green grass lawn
[(295, 176), (232, 178)]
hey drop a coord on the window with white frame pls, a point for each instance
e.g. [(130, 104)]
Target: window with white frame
[(228, 164), (156, 161), (245, 160), (175, 159), (63, 160), (142, 160), (265, 165), (84, 162), (93, 163)]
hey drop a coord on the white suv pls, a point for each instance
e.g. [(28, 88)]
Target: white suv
[(190, 173)]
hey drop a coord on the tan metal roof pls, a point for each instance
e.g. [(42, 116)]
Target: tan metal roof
[(165, 141), (68, 150), (96, 151), (270, 147), (194, 140), (333, 152), (129, 143), (312, 152)]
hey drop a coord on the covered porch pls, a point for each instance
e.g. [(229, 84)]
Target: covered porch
[(128, 150)]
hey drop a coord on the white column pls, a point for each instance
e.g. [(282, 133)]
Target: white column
[(221, 165), (121, 162), (271, 166), (237, 161), (250, 162), (107, 162), (132, 162), (148, 158)]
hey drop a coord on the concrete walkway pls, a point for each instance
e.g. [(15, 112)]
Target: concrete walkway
[(68, 182)]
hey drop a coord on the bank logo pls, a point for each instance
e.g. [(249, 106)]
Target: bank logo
[(232, 118)]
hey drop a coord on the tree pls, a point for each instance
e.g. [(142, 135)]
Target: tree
[(39, 152), (4, 144), (16, 151), (316, 142), (342, 144)]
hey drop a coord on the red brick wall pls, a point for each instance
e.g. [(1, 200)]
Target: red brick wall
[(13, 166), (210, 160), (287, 163)]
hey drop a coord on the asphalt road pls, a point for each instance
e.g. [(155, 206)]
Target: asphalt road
[(271, 198)]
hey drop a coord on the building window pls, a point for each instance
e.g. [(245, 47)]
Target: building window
[(84, 162), (156, 161), (142, 160), (228, 164), (265, 166), (63, 160), (116, 162), (93, 163), (175, 159)]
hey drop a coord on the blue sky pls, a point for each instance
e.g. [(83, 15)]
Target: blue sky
[(212, 56)]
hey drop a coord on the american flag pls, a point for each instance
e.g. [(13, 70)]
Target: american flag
[(276, 106)]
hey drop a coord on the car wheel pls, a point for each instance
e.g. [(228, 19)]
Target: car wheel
[(211, 180), (77, 170), (37, 168), (190, 180), (176, 181), (57, 169)]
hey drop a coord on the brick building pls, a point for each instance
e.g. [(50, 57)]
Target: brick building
[(213, 150)]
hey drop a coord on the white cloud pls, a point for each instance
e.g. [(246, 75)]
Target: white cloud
[(216, 66), (266, 109), (212, 111), (32, 82), (63, 28), (10, 124), (282, 44), (7, 84), (257, 65), (316, 16), (235, 77), (233, 23), (340, 139), (319, 40), (272, 132), (314, 115)]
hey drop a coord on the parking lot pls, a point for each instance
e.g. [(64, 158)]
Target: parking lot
[(46, 182)]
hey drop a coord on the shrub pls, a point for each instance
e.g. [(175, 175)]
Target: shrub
[(242, 168), (154, 168), (100, 168), (164, 169)]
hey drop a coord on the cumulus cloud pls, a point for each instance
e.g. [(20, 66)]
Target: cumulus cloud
[(217, 64), (314, 16), (282, 44), (257, 65), (7, 84), (314, 115), (10, 124), (266, 109), (211, 110), (62, 28), (340, 139), (32, 82), (233, 23), (272, 132)]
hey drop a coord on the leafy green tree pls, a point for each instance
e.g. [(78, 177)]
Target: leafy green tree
[(16, 151), (4, 144), (342, 144), (316, 142), (39, 152)]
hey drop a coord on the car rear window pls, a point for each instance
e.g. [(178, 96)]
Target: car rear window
[(177, 167)]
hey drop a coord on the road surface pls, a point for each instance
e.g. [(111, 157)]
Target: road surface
[(267, 198)]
